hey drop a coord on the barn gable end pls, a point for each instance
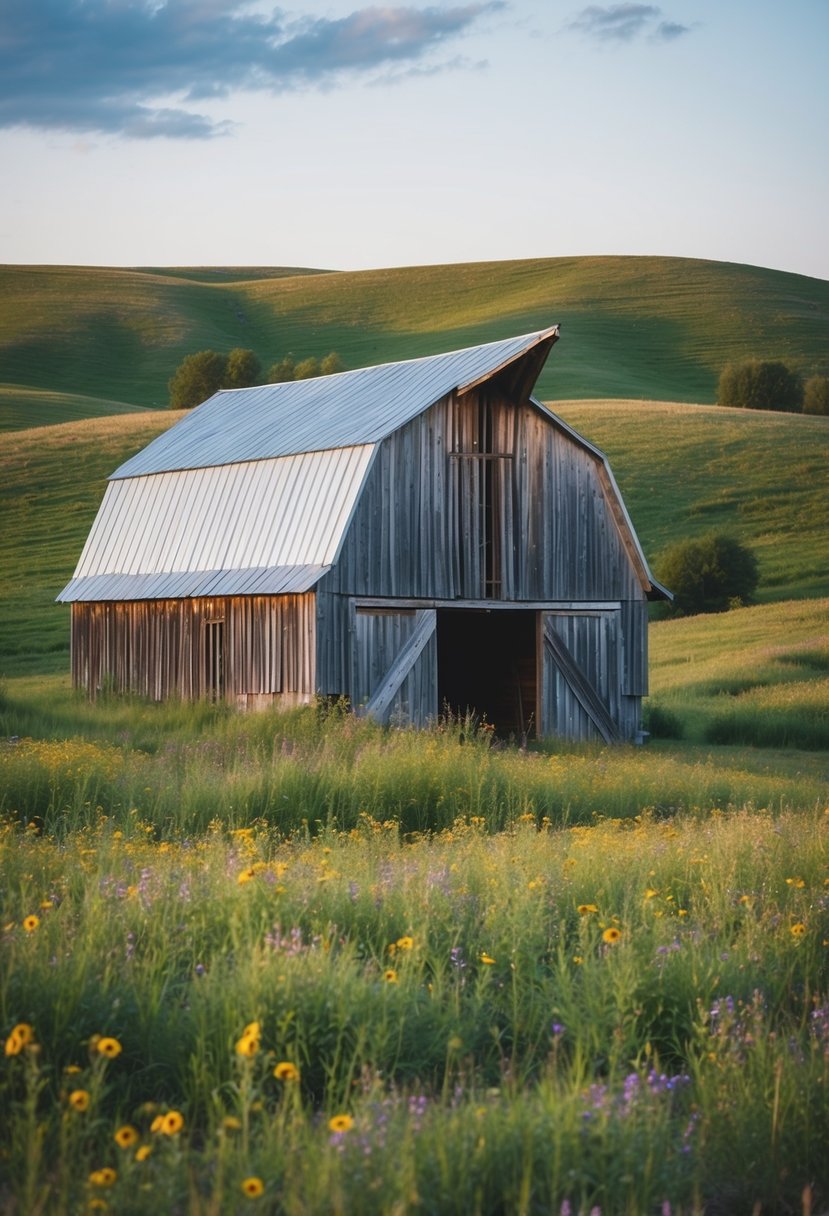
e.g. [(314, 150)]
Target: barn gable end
[(418, 536)]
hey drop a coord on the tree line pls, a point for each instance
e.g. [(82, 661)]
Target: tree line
[(203, 373), (769, 384)]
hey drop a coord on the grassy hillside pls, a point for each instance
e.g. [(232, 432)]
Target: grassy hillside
[(756, 676), (52, 480), (682, 469), (658, 328), (27, 407)]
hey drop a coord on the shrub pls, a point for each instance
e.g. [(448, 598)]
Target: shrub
[(758, 384), (243, 369), (279, 373), (197, 377), (331, 364), (709, 574), (816, 395), (307, 369)]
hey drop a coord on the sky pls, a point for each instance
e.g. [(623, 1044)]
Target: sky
[(349, 135)]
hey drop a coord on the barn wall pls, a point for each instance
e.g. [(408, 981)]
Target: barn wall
[(482, 500), (246, 648)]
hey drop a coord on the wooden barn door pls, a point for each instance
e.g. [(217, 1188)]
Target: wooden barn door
[(394, 663), (582, 669)]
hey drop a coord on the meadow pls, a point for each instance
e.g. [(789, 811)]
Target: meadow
[(301, 964)]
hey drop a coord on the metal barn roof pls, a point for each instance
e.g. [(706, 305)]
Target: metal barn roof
[(344, 410), (261, 527), (252, 492)]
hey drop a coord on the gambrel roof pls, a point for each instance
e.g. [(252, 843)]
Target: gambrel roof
[(252, 492)]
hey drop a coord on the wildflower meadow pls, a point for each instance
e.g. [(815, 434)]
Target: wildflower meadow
[(298, 964)]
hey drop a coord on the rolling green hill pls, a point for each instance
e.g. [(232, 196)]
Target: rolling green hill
[(682, 470), (650, 328)]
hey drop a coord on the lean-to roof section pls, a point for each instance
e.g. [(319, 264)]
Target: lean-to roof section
[(345, 410), (260, 527)]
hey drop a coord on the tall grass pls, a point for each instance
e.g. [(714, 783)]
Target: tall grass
[(314, 769), (606, 1017)]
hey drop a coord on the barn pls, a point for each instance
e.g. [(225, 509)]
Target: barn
[(416, 536)]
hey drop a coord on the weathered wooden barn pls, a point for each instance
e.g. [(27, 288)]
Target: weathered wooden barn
[(413, 536)]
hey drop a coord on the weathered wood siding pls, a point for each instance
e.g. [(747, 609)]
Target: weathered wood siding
[(236, 648), (583, 689), (394, 664), (480, 499)]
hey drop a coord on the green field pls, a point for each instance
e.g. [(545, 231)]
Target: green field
[(301, 964), (646, 328)]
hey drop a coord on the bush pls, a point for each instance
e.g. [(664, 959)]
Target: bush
[(331, 364), (196, 378), (758, 384), (710, 574), (307, 369), (289, 369), (279, 373), (816, 395), (243, 369)]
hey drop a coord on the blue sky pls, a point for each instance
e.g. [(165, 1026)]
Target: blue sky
[(338, 134)]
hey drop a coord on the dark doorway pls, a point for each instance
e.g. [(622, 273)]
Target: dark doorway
[(487, 665)]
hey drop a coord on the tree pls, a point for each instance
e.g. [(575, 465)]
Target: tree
[(331, 364), (758, 384), (284, 370), (196, 378), (307, 369), (708, 574), (243, 369), (816, 395)]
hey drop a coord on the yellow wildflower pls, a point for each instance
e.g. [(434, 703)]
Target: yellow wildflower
[(172, 1123), (143, 1152), (405, 943), (341, 1123), (104, 1177), (798, 929), (126, 1136), (584, 909), (286, 1071), (109, 1047), (611, 935), (30, 923), (252, 1187), (21, 1036), (487, 960), (390, 975), (79, 1099)]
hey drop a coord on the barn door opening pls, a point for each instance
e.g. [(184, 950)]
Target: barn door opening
[(214, 674), (487, 666)]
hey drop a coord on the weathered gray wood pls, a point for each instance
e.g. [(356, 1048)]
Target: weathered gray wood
[(579, 682), (260, 645), (381, 700)]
